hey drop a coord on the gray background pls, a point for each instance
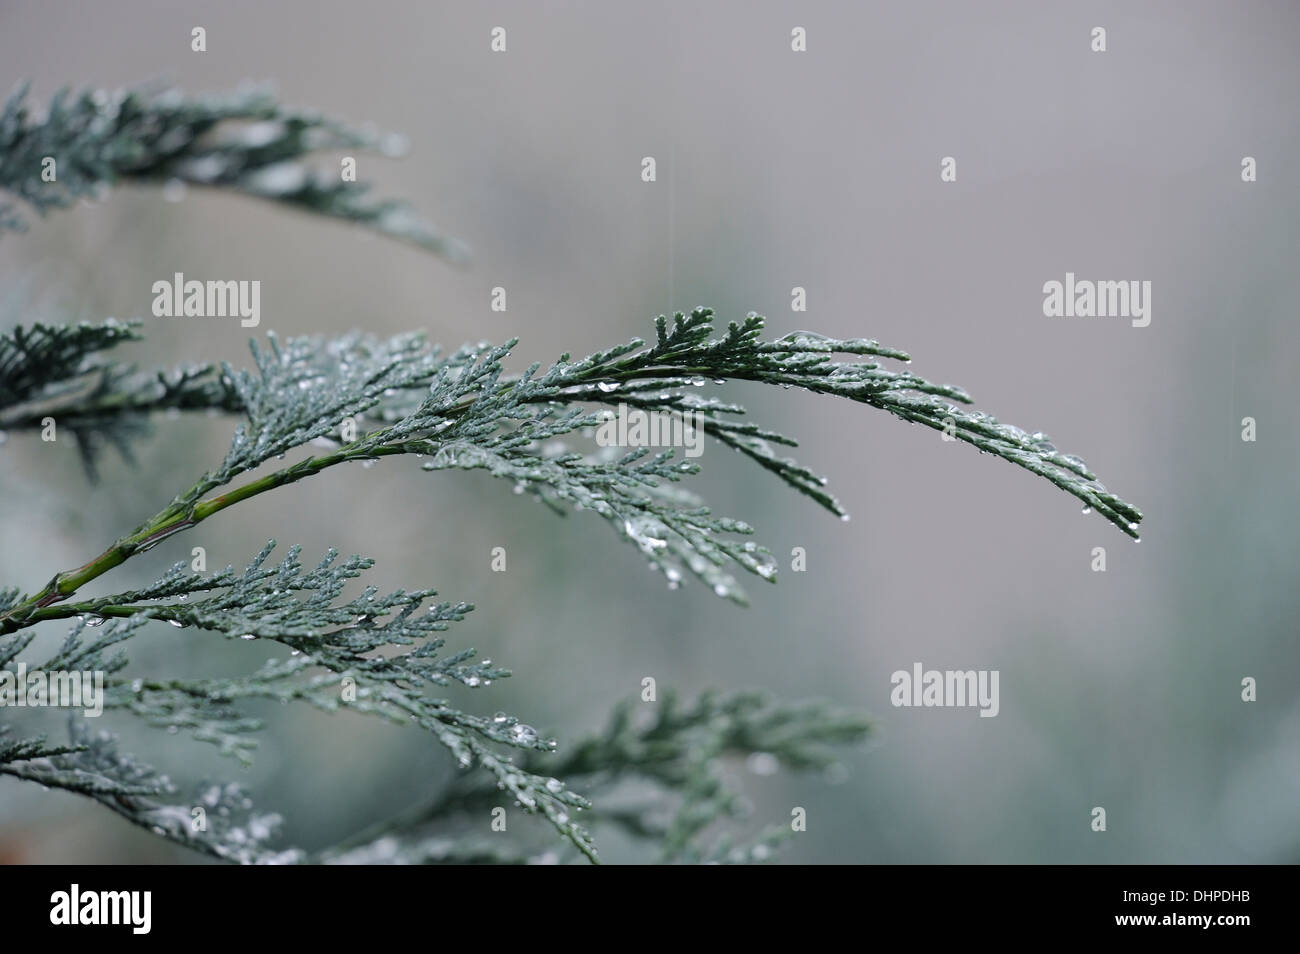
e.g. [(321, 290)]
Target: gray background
[(1119, 689)]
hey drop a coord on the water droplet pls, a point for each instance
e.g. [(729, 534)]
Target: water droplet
[(763, 763), (472, 682), (518, 488), (174, 190), (175, 622), (500, 717), (1132, 526), (608, 386), (523, 734), (1086, 510), (279, 179), (554, 786), (96, 620), (248, 636), (643, 533), (844, 517), (182, 596), (137, 685)]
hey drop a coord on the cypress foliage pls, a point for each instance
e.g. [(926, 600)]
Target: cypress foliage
[(360, 398)]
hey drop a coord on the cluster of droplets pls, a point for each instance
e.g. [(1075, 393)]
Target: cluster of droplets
[(647, 533)]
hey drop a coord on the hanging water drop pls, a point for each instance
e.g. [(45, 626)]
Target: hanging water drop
[(523, 734), (174, 190)]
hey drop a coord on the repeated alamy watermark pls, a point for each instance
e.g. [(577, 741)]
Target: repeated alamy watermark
[(1082, 298), (179, 298), (634, 427), (948, 688), (55, 689)]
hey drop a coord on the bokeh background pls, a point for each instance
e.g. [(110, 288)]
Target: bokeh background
[(1118, 689)]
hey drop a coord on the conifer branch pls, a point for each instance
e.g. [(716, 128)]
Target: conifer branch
[(463, 414), (244, 141), (92, 766), (681, 752), (381, 655)]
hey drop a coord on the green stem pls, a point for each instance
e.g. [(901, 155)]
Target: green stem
[(68, 610), (177, 518)]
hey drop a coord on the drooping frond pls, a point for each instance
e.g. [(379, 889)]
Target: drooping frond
[(244, 141)]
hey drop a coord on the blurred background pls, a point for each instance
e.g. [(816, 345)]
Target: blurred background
[(775, 169)]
